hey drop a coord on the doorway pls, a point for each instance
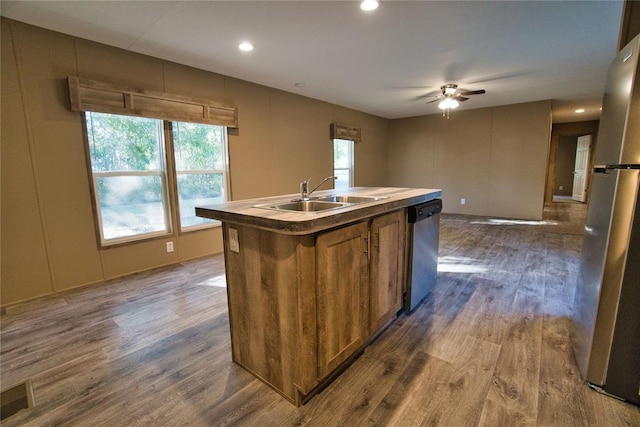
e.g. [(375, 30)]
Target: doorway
[(563, 175), (562, 162), (572, 164)]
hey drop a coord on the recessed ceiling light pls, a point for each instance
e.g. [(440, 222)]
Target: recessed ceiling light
[(245, 47), (580, 110), (369, 5)]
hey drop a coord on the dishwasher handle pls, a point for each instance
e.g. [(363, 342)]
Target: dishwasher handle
[(425, 210)]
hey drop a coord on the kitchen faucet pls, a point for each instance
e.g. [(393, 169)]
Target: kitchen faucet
[(304, 187)]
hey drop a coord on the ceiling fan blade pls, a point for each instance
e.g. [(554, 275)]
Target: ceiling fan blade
[(471, 92), (431, 102), (460, 98), (503, 76), (419, 97)]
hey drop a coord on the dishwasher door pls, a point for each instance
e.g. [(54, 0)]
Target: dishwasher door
[(422, 261)]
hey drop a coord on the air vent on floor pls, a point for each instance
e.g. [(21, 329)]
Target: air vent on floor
[(16, 399)]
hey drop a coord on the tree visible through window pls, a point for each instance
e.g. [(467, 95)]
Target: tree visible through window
[(200, 159), (127, 161), (343, 162), (131, 179)]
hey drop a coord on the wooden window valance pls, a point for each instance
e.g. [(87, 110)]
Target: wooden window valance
[(91, 95), (339, 131)]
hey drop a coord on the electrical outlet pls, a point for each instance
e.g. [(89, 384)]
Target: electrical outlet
[(234, 243), (561, 187), (169, 246), (463, 201)]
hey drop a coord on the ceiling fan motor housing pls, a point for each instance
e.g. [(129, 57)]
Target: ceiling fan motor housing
[(449, 89)]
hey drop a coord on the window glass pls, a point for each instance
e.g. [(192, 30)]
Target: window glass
[(131, 205), (200, 159), (129, 182), (123, 143), (343, 162)]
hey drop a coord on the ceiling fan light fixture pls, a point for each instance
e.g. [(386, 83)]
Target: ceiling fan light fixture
[(448, 104)]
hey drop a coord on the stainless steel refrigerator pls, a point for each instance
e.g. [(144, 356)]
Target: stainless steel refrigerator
[(606, 335)]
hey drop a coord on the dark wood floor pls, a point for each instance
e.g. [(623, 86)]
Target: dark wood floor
[(489, 347)]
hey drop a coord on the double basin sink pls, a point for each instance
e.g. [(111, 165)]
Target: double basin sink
[(321, 203)]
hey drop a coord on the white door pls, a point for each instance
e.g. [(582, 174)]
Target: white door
[(580, 169)]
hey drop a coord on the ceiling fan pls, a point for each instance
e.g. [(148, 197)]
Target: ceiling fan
[(452, 96)]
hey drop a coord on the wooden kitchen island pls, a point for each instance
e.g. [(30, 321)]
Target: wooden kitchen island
[(308, 291)]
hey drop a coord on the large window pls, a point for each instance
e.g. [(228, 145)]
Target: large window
[(343, 162), (129, 158)]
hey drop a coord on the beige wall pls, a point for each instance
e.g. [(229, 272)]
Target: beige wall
[(494, 158), (48, 235)]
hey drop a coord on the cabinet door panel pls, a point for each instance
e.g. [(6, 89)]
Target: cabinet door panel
[(387, 267), (342, 295)]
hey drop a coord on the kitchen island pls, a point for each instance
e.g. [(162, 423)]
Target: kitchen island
[(308, 290)]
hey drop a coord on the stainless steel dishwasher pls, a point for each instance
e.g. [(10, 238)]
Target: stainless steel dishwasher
[(422, 262)]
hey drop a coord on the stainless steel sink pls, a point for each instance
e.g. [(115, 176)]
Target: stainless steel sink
[(350, 199), (305, 206), (320, 204)]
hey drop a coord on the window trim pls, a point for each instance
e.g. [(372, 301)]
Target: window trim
[(100, 97), (345, 132)]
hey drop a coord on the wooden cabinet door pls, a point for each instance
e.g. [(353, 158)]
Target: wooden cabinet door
[(342, 294), (387, 267)]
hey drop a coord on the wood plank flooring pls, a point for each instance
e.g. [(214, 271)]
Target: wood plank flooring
[(489, 347)]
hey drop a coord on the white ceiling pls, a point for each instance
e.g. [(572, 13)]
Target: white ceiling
[(380, 62)]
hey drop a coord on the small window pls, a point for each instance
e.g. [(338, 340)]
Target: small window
[(129, 180), (200, 153), (343, 160)]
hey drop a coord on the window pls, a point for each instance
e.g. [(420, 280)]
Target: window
[(201, 162), (129, 158), (343, 162), (127, 161)]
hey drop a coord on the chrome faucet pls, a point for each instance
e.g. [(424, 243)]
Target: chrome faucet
[(304, 187)]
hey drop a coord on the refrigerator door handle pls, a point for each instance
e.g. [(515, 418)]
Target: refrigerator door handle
[(610, 167), (601, 169)]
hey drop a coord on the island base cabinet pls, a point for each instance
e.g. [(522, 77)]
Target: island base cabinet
[(301, 306), (342, 295)]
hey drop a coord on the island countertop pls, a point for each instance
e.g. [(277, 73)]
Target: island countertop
[(249, 212)]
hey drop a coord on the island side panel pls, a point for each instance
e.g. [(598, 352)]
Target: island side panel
[(262, 288), (307, 313)]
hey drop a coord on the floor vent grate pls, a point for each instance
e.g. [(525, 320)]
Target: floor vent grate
[(16, 399)]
